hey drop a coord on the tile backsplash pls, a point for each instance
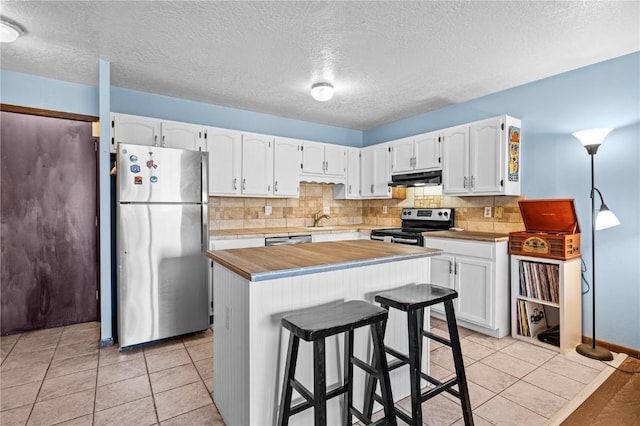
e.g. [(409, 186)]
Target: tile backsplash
[(236, 212)]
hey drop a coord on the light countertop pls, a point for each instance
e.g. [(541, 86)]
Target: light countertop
[(469, 235), (267, 263)]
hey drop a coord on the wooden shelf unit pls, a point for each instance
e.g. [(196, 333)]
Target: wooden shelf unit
[(566, 312)]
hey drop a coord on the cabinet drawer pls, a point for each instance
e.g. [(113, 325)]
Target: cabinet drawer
[(465, 248)]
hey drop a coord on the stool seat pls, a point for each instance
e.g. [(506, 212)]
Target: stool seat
[(317, 323), (414, 297)]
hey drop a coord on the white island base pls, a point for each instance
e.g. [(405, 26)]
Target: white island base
[(250, 346)]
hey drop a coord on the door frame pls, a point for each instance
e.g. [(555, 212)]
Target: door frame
[(96, 138)]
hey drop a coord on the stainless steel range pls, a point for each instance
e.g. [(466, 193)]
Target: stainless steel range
[(414, 223)]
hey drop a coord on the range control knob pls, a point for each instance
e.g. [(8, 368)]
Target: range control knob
[(439, 213), (446, 213)]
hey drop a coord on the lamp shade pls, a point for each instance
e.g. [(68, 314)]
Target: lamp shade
[(592, 136), (606, 219), (322, 92)]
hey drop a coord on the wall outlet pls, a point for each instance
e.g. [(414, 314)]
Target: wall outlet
[(326, 210), (487, 212), (267, 210), (385, 210), (498, 212)]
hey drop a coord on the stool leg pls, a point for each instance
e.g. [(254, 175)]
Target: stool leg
[(348, 377), (459, 364), (319, 384), (372, 381), (377, 334), (289, 374), (415, 357)]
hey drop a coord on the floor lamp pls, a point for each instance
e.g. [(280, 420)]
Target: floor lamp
[(592, 139)]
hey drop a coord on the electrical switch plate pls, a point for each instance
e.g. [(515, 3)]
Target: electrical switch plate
[(487, 212), (498, 212), (326, 210), (267, 210), (384, 209)]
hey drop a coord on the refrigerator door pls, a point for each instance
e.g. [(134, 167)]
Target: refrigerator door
[(149, 174), (162, 271)]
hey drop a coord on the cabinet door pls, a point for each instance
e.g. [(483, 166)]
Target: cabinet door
[(455, 155), (376, 171), (442, 268), (135, 130), (225, 161), (402, 155), (353, 173), (313, 157), (182, 136), (335, 158), (475, 292), (486, 157), (287, 156), (426, 152), (257, 165)]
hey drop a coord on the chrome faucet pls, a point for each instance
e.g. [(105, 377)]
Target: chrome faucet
[(317, 218)]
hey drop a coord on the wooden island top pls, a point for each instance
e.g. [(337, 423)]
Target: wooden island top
[(267, 263)]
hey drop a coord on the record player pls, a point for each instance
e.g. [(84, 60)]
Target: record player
[(552, 230)]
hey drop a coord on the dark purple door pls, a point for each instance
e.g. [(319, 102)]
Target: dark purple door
[(49, 234)]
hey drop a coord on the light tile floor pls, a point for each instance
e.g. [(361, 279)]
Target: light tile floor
[(60, 376)]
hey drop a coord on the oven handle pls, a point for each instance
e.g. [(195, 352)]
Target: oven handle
[(383, 238), (412, 241)]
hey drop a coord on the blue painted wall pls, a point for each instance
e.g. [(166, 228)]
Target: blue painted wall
[(554, 163)]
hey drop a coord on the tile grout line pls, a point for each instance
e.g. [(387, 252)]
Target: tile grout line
[(153, 396), (33, 407)]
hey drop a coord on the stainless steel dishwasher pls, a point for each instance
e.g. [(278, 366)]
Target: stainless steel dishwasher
[(282, 241)]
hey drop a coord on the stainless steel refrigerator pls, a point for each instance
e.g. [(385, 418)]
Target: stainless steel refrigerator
[(162, 241)]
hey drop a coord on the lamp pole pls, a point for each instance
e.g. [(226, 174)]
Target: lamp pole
[(593, 351)]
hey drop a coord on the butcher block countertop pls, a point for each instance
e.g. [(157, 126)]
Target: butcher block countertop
[(226, 234), (492, 237), (268, 263)]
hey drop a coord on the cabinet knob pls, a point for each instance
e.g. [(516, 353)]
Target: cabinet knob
[(235, 183), (244, 183), (275, 187)]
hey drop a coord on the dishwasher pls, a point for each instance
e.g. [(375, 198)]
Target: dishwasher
[(282, 241)]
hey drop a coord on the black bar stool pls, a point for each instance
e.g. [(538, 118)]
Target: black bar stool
[(314, 325), (413, 299)]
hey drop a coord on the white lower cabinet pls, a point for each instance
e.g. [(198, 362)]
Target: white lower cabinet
[(224, 245), (479, 272)]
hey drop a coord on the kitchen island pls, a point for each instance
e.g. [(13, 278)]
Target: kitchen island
[(255, 287)]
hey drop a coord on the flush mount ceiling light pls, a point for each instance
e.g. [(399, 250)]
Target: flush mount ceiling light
[(322, 92), (9, 31)]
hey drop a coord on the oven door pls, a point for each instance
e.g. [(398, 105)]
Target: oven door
[(397, 239)]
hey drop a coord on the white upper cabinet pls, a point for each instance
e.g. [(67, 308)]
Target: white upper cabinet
[(482, 158), (416, 153), (287, 159), (183, 136), (455, 167), (135, 130), (153, 132), (324, 162), (257, 165), (225, 161), (351, 188), (426, 151), (375, 171)]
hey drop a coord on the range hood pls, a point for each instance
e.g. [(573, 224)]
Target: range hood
[(432, 178)]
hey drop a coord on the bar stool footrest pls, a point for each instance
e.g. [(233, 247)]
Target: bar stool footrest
[(437, 338)]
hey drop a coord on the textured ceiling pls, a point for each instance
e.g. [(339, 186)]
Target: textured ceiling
[(388, 60)]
